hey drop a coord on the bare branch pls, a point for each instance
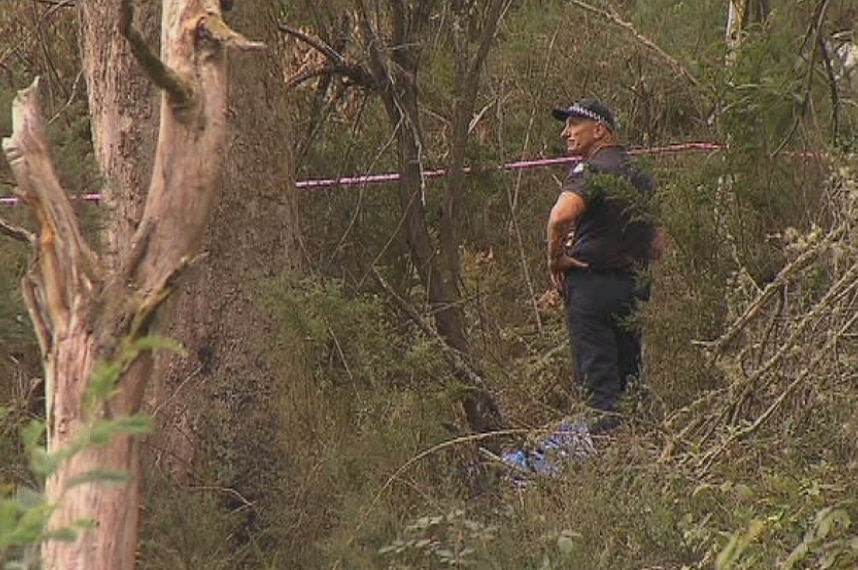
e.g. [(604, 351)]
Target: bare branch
[(153, 299), (337, 63), (66, 264), (772, 289), (136, 253), (649, 44), (70, 98), (314, 42), (162, 75), (745, 431), (496, 13), (212, 27), (451, 355), (378, 60), (306, 75), (16, 232), (832, 88), (812, 38), (58, 3)]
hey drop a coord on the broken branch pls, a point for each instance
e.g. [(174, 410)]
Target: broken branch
[(65, 263), (314, 42), (163, 76), (16, 232), (336, 62), (212, 27)]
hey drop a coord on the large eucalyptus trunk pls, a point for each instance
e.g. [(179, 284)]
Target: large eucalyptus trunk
[(123, 108), (220, 397), (87, 309)]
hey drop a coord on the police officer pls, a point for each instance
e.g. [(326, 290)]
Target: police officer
[(601, 237)]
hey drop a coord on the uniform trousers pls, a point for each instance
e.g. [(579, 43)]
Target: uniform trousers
[(599, 309)]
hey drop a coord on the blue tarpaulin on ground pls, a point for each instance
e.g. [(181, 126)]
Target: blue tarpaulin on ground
[(571, 442)]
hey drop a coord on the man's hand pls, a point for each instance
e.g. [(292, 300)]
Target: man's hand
[(566, 210), (559, 265)]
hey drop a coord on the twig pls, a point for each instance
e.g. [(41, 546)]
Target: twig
[(833, 90), (764, 417), (358, 206), (342, 355), (847, 280), (70, 98), (812, 32), (808, 256), (16, 232), (377, 59), (58, 3), (453, 356), (845, 284), (337, 63), (247, 502), (314, 42), (497, 10), (306, 75), (773, 323), (419, 457), (612, 17), (178, 389), (512, 200)]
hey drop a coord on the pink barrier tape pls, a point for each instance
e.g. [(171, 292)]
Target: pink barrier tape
[(319, 183), (519, 165), (12, 200)]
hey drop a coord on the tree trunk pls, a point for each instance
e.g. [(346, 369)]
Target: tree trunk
[(438, 273), (221, 395), (123, 106), (112, 544), (86, 311)]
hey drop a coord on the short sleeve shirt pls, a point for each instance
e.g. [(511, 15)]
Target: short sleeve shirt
[(616, 230)]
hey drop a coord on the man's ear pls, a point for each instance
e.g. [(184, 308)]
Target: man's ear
[(600, 131)]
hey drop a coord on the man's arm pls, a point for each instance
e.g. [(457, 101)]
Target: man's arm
[(568, 208)]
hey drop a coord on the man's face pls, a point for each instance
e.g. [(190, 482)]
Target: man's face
[(582, 135)]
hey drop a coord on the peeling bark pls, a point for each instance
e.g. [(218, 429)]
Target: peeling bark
[(83, 311)]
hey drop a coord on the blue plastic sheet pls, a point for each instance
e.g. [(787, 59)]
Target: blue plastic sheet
[(569, 443)]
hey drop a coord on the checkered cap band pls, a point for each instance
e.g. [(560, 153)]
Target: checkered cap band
[(578, 110), (589, 109)]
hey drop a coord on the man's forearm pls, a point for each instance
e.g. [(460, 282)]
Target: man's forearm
[(568, 208), (554, 238)]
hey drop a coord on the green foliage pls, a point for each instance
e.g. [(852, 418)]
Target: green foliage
[(632, 508), (775, 520), (24, 511), (197, 532), (828, 541), (102, 384), (359, 392), (345, 338), (442, 541)]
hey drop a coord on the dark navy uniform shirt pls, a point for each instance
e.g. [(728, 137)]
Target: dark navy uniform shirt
[(616, 230)]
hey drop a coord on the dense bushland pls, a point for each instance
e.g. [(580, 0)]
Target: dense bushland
[(741, 452)]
